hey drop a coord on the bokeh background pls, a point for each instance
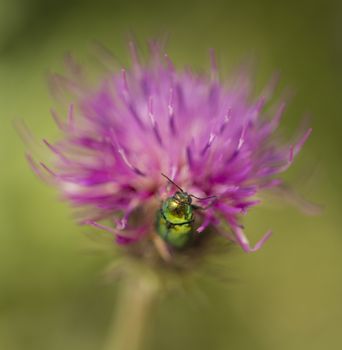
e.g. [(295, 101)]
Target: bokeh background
[(285, 297)]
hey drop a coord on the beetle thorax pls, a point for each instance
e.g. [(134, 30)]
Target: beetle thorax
[(177, 209)]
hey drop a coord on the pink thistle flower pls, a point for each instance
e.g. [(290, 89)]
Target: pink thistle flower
[(207, 136)]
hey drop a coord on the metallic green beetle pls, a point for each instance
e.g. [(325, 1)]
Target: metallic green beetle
[(175, 219)]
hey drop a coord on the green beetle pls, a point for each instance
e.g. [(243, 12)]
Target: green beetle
[(175, 218)]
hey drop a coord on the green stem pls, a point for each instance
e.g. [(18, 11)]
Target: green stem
[(135, 303)]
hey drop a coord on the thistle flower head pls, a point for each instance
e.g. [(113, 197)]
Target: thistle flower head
[(210, 138)]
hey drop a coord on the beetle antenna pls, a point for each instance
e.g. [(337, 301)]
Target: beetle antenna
[(201, 199), (172, 182)]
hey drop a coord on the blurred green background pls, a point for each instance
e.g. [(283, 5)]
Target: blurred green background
[(286, 296)]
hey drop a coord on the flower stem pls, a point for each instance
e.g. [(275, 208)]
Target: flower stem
[(135, 303)]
